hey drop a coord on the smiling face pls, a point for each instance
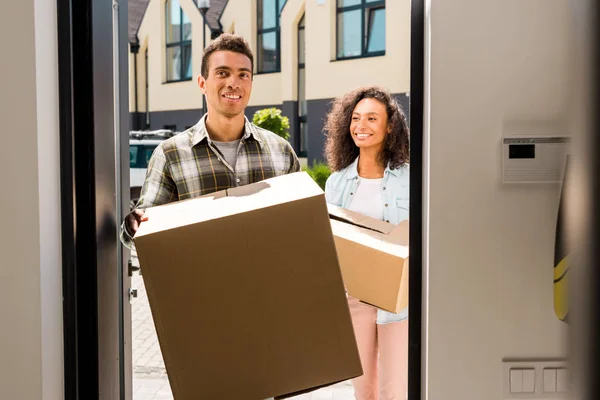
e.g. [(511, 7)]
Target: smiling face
[(229, 83), (369, 125)]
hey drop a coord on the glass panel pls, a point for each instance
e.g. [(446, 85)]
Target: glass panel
[(348, 31), (301, 46), (173, 19), (186, 61), (372, 1), (303, 138), (267, 14), (148, 150), (301, 92), (187, 27), (133, 155), (348, 3), (139, 155), (267, 47), (281, 4), (376, 38), (173, 63)]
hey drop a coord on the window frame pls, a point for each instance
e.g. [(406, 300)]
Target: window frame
[(302, 118), (365, 28), (276, 29), (180, 43)]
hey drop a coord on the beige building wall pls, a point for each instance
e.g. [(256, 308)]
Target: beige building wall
[(141, 77), (266, 89), (325, 76), (166, 96), (290, 17)]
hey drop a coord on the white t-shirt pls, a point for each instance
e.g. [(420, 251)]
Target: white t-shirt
[(367, 200)]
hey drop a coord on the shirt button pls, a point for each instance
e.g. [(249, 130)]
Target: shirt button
[(238, 180), (387, 220), (351, 193), (384, 188), (386, 204)]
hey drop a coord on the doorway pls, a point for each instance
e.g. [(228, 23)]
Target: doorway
[(94, 185)]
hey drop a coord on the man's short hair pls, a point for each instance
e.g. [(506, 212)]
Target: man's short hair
[(226, 42)]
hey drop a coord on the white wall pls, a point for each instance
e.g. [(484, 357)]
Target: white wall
[(31, 364), (490, 252)]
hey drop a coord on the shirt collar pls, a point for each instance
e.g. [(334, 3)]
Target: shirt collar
[(200, 133), (353, 170)]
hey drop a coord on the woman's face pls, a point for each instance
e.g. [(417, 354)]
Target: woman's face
[(369, 124)]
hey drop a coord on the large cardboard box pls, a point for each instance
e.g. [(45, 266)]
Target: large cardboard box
[(373, 256), (246, 292)]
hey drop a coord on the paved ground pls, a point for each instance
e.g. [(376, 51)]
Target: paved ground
[(149, 376)]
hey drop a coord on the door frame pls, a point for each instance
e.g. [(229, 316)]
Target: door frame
[(93, 112), (416, 359), (97, 356)]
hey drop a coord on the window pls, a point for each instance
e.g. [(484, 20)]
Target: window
[(268, 55), (179, 43), (360, 28)]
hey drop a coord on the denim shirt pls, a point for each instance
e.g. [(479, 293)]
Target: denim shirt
[(340, 187)]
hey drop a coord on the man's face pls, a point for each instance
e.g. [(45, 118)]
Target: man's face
[(229, 83)]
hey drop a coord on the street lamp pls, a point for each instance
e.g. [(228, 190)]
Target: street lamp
[(203, 6)]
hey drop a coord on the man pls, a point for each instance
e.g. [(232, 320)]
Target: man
[(223, 149)]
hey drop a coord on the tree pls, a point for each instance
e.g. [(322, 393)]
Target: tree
[(272, 120)]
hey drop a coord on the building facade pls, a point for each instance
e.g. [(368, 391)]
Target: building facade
[(307, 52)]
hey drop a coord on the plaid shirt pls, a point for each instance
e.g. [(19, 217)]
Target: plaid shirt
[(189, 165)]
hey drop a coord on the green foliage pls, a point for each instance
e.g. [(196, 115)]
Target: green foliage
[(272, 120), (319, 172)]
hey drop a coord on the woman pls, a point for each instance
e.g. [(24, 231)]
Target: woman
[(367, 148)]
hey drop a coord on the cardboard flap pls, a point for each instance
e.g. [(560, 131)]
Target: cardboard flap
[(225, 203), (360, 220), (294, 186)]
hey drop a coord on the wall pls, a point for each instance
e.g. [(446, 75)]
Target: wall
[(327, 78), (186, 95), (31, 364), (180, 103), (490, 248), (167, 96), (242, 14)]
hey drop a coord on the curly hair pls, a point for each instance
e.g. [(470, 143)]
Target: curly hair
[(226, 42), (340, 149)]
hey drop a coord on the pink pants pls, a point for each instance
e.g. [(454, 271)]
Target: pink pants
[(383, 353)]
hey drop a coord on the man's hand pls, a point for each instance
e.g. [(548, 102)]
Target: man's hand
[(133, 221)]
